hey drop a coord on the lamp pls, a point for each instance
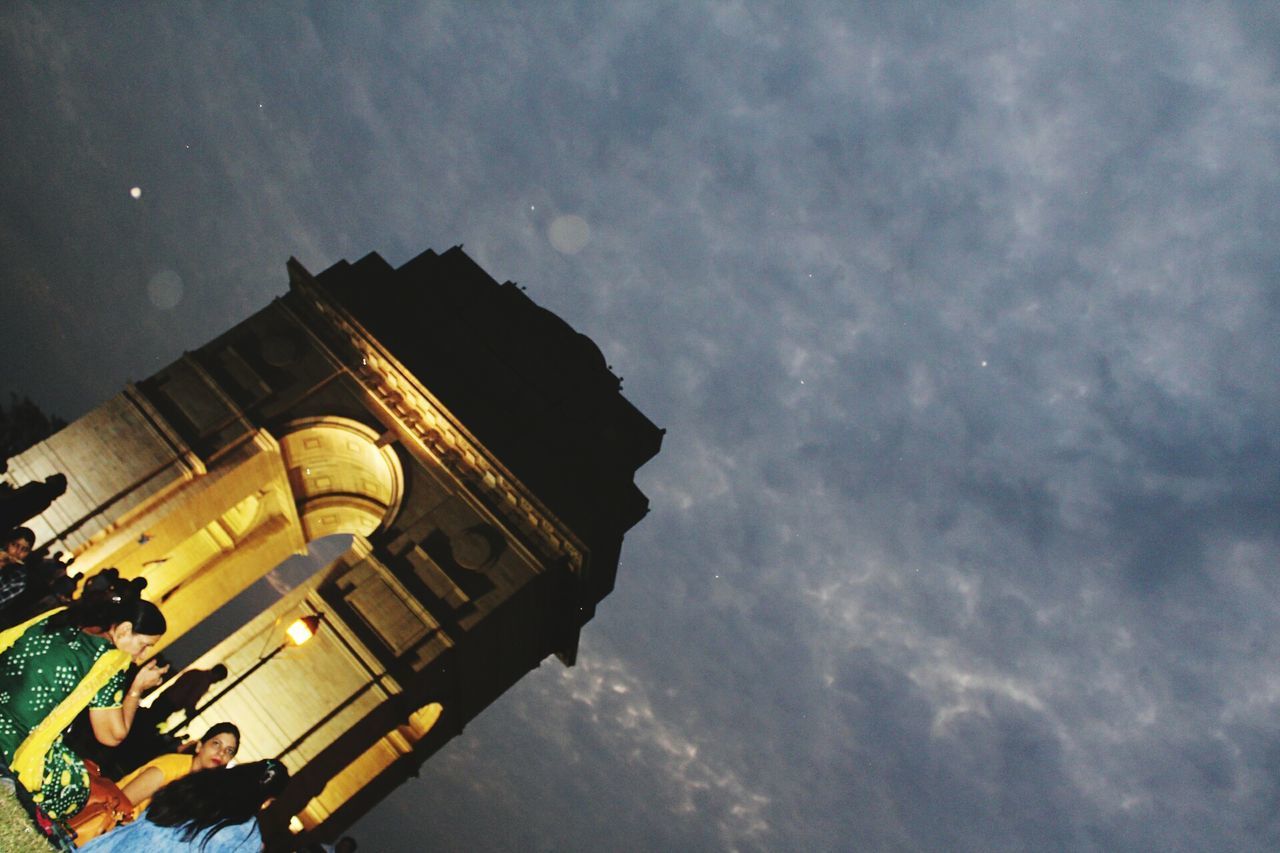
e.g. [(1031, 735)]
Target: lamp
[(298, 632), (303, 629)]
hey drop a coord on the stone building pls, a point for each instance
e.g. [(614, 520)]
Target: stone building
[(475, 448)]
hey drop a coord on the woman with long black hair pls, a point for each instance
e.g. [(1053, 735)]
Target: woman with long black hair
[(112, 803), (56, 665), (215, 750), (207, 812)]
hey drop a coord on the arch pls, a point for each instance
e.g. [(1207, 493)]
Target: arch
[(343, 480)]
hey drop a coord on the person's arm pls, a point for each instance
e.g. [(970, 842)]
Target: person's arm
[(144, 785), (111, 725)]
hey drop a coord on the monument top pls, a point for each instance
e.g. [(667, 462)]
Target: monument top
[(535, 392)]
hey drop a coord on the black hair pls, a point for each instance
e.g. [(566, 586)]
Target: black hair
[(208, 802), (109, 600), (21, 533), (222, 729)]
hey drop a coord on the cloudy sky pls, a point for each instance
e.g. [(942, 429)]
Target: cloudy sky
[(962, 320)]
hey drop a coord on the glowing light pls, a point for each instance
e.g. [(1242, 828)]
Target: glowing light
[(569, 234), (165, 290), (303, 629), (136, 192), (295, 825)]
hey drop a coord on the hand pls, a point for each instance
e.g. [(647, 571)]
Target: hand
[(151, 674)]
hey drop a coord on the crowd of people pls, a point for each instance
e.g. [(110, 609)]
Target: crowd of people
[(65, 656)]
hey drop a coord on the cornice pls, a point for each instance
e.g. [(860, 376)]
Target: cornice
[(436, 433)]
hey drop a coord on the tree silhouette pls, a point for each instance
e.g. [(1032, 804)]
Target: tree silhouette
[(22, 424)]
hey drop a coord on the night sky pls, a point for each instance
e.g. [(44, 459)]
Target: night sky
[(963, 321)]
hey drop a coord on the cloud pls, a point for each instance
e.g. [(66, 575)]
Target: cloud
[(961, 321)]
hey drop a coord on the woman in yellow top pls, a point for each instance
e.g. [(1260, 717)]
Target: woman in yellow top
[(125, 800), (218, 746)]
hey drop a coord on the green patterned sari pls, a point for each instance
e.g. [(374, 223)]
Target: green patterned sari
[(36, 673)]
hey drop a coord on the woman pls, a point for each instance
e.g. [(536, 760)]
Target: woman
[(112, 803), (54, 666), (214, 750), (18, 543), (14, 578), (208, 812)]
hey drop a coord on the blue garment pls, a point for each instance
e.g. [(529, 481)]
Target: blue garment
[(142, 834)]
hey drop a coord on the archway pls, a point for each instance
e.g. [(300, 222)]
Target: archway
[(343, 481), (253, 505), (344, 484)]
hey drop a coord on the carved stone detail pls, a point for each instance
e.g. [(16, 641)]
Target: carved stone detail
[(442, 438)]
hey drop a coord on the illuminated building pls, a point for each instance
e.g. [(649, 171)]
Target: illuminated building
[(475, 447)]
